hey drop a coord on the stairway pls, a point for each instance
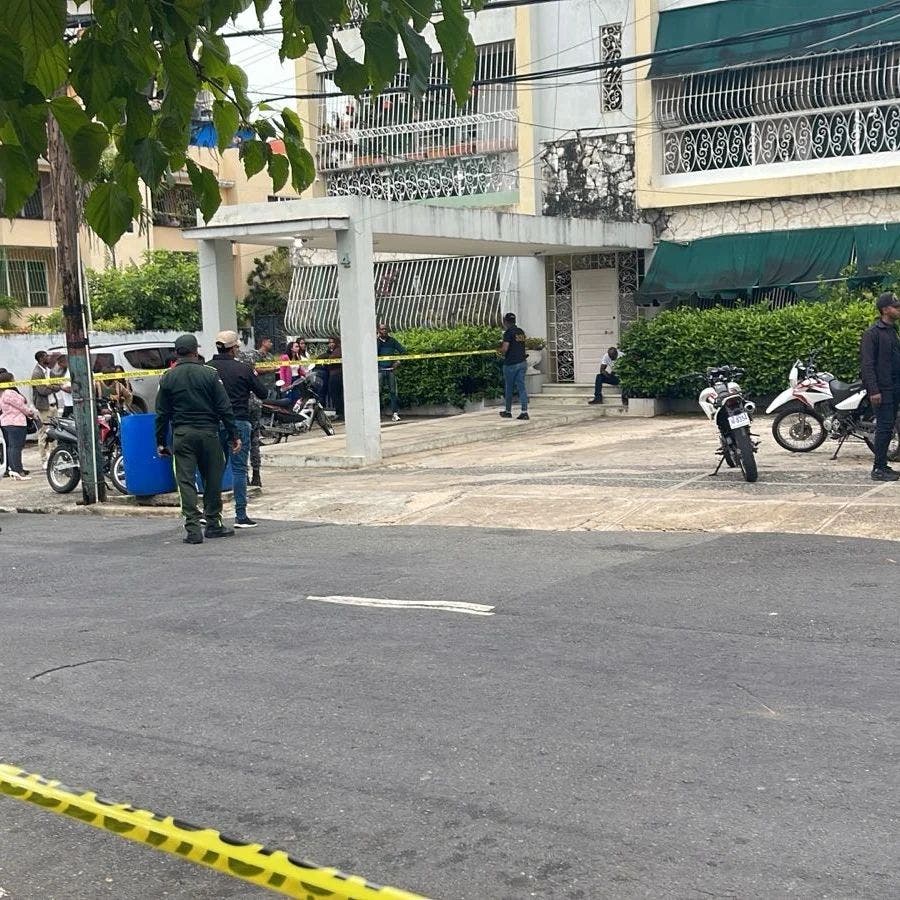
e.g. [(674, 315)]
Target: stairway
[(566, 395)]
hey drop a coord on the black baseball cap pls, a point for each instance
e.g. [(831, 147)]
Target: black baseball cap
[(888, 298), (186, 344)]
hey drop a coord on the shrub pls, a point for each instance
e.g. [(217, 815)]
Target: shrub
[(114, 324), (656, 353), (453, 380)]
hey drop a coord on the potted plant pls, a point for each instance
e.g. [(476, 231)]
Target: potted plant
[(534, 352)]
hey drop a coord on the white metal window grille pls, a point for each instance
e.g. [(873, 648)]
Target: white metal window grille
[(840, 104), (611, 78), (377, 131), (439, 292), (24, 275), (175, 207)]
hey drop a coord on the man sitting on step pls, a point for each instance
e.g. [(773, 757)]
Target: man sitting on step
[(606, 374)]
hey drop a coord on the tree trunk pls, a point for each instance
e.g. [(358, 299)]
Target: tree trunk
[(67, 218)]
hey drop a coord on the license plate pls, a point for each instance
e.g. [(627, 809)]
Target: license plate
[(739, 421)]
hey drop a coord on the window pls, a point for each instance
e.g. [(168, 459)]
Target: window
[(611, 77), (26, 280), (103, 361), (146, 358), (175, 207)]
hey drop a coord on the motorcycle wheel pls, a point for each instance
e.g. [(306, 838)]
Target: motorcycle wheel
[(324, 422), (267, 438), (61, 476), (743, 449), (798, 430), (117, 473)]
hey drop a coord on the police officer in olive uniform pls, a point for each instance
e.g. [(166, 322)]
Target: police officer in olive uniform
[(193, 399)]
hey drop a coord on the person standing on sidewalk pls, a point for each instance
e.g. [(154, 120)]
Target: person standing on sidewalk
[(192, 398), (387, 369), (512, 349), (240, 383), (15, 411), (606, 374), (262, 354), (43, 397), (879, 358)]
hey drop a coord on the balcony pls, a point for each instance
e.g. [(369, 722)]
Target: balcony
[(175, 207), (830, 106)]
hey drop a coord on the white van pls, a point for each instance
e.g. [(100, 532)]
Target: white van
[(140, 355)]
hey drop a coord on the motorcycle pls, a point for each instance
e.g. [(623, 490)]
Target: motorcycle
[(816, 406), (295, 411), (63, 466), (724, 405)]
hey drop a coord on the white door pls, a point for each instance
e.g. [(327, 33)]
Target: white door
[(595, 314)]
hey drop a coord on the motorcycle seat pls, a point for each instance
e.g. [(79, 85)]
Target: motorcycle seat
[(841, 390)]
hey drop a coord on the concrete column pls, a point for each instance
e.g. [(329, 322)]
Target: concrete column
[(531, 296), (356, 300), (216, 288)]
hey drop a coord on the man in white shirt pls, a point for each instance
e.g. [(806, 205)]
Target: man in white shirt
[(64, 394), (606, 374)]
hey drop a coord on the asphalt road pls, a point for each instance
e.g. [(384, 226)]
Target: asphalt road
[(645, 715)]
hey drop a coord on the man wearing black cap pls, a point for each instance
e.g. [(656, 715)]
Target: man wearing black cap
[(879, 356), (192, 398), (240, 382)]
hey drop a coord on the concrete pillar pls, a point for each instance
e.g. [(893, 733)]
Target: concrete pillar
[(529, 301), (217, 299), (356, 301)]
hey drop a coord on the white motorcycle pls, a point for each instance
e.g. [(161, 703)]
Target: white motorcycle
[(724, 404), (816, 406)]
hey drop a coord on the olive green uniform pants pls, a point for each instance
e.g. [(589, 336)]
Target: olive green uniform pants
[(199, 450)]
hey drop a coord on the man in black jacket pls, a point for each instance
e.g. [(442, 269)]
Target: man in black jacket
[(193, 400), (879, 356), (240, 382)]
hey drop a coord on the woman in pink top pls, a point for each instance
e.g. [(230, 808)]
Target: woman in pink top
[(15, 411)]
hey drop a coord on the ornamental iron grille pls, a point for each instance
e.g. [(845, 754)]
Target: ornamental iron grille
[(560, 319), (393, 128), (422, 181), (839, 104), (436, 292), (611, 77)]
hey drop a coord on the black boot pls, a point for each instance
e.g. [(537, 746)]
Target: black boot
[(256, 481)]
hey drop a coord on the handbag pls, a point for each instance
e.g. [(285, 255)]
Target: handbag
[(32, 424)]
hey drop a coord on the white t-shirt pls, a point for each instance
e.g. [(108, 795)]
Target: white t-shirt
[(609, 362)]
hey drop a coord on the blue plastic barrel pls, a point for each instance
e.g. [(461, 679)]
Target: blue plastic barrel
[(146, 472), (227, 478)]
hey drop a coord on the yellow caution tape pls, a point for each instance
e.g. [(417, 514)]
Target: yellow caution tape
[(272, 869), (262, 366)]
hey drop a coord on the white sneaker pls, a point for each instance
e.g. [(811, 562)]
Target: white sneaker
[(395, 417), (17, 477)]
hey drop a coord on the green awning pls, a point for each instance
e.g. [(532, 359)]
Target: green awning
[(712, 21), (735, 265)]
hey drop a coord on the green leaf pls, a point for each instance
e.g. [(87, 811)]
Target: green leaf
[(29, 122), (12, 74), (279, 171), (109, 211), (295, 37), (264, 129), (214, 55), (94, 72), (87, 146), (350, 76), (39, 24), (421, 11), (52, 70), (292, 124), (453, 35), (418, 55), (138, 119), (238, 79), (69, 114), (303, 167), (226, 119), (151, 160), (206, 189), (19, 178), (382, 56), (253, 153), (261, 6)]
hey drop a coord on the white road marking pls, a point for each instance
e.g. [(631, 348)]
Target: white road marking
[(472, 609)]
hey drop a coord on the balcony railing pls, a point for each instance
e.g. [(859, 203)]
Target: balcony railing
[(465, 135), (823, 134), (175, 207)]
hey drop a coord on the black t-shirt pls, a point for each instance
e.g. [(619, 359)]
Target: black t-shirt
[(515, 353)]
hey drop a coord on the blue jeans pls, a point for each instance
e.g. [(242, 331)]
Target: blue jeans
[(390, 376), (239, 464), (514, 382)]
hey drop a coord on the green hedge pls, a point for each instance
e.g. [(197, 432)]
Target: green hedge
[(763, 342), (453, 380)]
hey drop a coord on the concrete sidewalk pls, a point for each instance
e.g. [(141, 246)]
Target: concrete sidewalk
[(585, 473)]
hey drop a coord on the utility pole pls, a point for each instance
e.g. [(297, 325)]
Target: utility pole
[(67, 219)]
